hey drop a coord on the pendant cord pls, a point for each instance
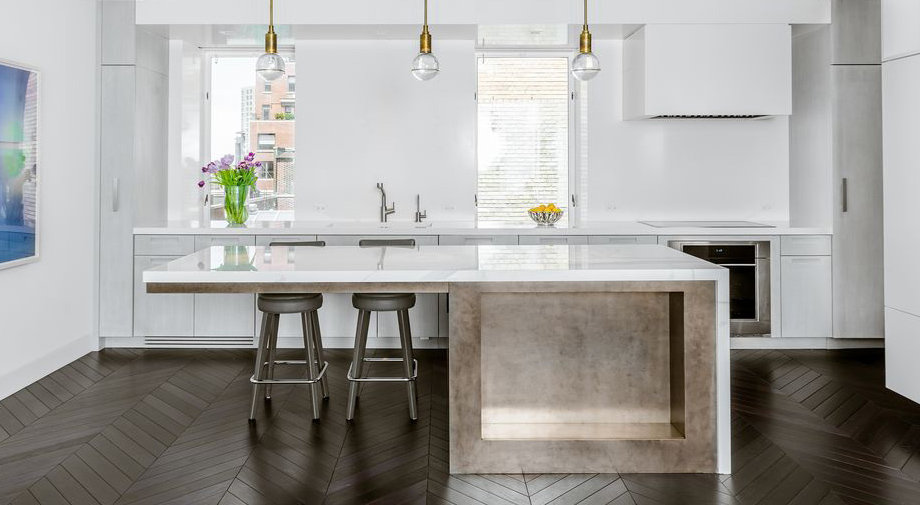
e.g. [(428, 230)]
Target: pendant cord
[(426, 12), (586, 14), (271, 13)]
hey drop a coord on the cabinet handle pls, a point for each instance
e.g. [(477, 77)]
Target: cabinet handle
[(115, 202), (845, 195)]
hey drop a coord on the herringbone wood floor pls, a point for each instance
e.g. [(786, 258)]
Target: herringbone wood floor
[(156, 426)]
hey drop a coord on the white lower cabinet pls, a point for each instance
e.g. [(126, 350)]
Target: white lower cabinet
[(551, 240), (423, 319), (478, 240), (156, 314), (224, 315), (352, 240), (806, 296), (622, 239)]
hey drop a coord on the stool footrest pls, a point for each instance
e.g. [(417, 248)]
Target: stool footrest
[(318, 378), (351, 378)]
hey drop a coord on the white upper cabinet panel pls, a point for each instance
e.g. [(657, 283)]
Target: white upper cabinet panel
[(901, 117), (708, 70), (900, 28)]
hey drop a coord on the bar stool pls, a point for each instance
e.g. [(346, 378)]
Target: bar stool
[(383, 302), (272, 305)]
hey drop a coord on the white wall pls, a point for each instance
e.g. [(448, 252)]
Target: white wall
[(900, 28), (364, 119), (484, 11), (374, 122), (47, 307), (679, 169)]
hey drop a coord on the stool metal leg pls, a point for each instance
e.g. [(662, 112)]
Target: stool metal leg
[(260, 364), (272, 351), (405, 335), (357, 363), (312, 369), (318, 344)]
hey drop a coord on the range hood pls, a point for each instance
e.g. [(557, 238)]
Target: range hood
[(708, 71)]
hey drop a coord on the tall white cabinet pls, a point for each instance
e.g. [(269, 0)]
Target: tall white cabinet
[(901, 99)]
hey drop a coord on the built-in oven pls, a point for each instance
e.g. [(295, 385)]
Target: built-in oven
[(748, 263)]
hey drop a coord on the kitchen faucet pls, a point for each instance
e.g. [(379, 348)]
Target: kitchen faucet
[(419, 214), (384, 210)]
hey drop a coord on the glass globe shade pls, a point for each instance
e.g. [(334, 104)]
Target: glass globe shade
[(425, 67), (270, 66), (585, 66)]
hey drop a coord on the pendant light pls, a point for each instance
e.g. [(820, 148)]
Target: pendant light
[(585, 66), (425, 66), (270, 65)]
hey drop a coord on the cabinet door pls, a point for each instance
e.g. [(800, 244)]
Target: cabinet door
[(157, 314), (806, 296), (557, 240), (423, 319), (265, 240), (478, 240), (224, 315), (353, 240), (858, 237), (205, 241), (116, 251), (622, 239)]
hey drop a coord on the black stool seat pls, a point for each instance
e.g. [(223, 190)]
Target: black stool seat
[(383, 302), (288, 303)]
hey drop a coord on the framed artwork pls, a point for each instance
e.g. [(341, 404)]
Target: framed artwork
[(19, 164)]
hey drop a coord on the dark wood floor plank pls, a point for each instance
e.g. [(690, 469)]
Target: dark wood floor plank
[(165, 426)]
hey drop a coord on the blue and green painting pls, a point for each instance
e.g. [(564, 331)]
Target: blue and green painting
[(18, 163)]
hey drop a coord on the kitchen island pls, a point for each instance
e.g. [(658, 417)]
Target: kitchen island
[(562, 358)]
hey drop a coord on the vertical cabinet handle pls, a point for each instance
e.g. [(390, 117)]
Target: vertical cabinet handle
[(115, 202), (845, 195)]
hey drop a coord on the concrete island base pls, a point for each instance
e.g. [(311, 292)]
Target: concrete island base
[(570, 377)]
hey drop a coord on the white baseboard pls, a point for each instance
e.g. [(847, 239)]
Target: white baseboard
[(50, 361), (806, 343), (296, 343)]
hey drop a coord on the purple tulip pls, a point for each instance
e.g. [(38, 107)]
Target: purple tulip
[(204, 170), (258, 163), (200, 184), (226, 160)]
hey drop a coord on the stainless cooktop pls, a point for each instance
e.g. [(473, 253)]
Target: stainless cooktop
[(706, 224)]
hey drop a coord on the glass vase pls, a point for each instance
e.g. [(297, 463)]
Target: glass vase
[(236, 210)]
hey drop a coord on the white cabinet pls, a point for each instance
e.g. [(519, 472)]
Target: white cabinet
[(265, 240), (552, 240), (806, 296), (622, 239), (900, 28), (224, 315), (352, 240), (707, 70), (423, 319), (805, 245), (159, 314), (478, 240), (902, 348)]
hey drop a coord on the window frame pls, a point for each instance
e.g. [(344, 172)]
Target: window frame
[(204, 132), (259, 142), (574, 125)]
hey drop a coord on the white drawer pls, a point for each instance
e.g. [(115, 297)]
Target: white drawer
[(622, 239), (206, 241), (265, 240), (805, 245), (163, 245), (352, 240), (478, 240), (552, 240)]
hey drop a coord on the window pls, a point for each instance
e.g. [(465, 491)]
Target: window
[(242, 119), (523, 116), (291, 84), (288, 109), (266, 141), (268, 170)]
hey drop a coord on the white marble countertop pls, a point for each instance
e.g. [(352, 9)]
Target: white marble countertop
[(433, 264), (461, 228)]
